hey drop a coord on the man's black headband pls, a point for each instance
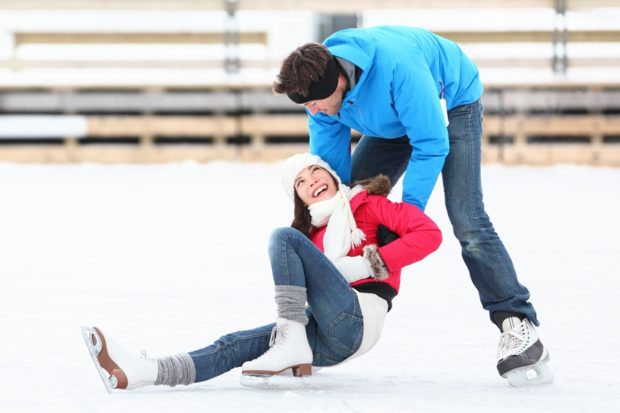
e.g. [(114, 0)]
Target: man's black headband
[(321, 88)]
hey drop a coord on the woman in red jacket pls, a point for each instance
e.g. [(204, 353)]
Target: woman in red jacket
[(329, 259)]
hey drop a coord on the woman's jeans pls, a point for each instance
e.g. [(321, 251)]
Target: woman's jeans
[(335, 325), (489, 264)]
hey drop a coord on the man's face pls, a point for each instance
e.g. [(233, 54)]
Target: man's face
[(331, 104)]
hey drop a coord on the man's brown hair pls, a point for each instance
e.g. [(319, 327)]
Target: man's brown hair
[(304, 65)]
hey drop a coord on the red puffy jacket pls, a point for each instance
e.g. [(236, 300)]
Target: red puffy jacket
[(418, 234)]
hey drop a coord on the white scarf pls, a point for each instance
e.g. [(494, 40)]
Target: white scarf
[(342, 232)]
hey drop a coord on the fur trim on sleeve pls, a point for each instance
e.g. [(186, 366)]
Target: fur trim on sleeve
[(379, 185), (379, 269)]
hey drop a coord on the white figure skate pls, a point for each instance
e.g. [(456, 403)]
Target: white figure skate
[(117, 367), (289, 349)]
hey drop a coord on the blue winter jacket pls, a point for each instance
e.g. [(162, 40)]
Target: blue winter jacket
[(404, 71)]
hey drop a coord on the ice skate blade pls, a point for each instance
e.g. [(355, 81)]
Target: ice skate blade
[(111, 375), (534, 375), (275, 382), (300, 370), (94, 346)]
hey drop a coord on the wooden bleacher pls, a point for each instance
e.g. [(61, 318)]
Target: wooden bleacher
[(592, 147), (324, 6), (261, 38), (525, 122)]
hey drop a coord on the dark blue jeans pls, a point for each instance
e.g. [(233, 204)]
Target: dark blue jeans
[(489, 264), (335, 325)]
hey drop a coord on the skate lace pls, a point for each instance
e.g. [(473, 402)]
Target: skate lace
[(277, 336), (144, 354), (512, 341)]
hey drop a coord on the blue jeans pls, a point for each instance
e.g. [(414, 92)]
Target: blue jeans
[(335, 325), (490, 267)]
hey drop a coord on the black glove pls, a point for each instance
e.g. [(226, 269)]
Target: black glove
[(385, 236)]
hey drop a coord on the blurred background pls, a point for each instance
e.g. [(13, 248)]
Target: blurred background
[(149, 81)]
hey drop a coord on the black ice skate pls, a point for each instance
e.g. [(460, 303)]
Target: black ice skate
[(521, 357)]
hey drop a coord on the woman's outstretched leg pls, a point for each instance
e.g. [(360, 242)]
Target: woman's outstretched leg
[(329, 333), (120, 368), (231, 351)]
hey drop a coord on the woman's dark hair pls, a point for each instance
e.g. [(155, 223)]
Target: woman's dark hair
[(302, 220), (304, 65)]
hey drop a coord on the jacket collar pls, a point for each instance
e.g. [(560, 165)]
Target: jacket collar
[(359, 200), (355, 49)]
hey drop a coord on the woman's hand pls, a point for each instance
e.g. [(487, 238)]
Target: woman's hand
[(353, 268), (363, 266)]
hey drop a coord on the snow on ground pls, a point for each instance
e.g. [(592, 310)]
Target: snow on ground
[(169, 257)]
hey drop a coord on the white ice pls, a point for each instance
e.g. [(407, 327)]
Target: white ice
[(170, 257)]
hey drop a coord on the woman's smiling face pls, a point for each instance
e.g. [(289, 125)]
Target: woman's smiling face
[(314, 184)]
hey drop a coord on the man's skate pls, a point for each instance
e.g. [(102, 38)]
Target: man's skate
[(522, 358), (118, 368)]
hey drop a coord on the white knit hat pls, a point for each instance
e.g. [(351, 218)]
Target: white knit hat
[(296, 163)]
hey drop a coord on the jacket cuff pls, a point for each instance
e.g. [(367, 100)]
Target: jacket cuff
[(379, 269)]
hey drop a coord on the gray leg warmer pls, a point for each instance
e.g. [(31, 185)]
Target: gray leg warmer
[(175, 370), (291, 301)]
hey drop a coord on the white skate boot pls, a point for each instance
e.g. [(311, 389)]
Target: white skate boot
[(289, 349), (521, 357), (118, 368)]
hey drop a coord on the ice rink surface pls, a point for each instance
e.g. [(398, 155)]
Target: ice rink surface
[(168, 258)]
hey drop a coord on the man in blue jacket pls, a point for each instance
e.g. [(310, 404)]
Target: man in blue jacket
[(415, 97)]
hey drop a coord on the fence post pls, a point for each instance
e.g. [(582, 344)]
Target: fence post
[(560, 39)]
